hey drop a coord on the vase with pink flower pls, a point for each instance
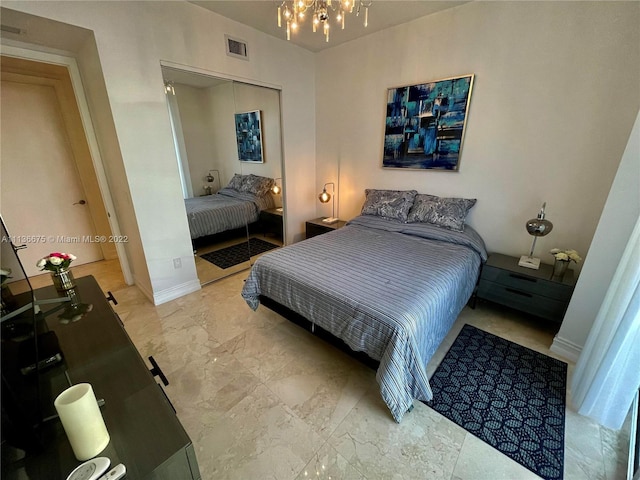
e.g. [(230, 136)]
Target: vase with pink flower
[(58, 264)]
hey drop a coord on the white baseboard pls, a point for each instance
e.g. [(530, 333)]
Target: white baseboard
[(565, 348), (176, 292)]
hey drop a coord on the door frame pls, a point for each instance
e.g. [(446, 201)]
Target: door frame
[(96, 159)]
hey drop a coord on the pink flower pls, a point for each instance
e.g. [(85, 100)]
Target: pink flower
[(56, 261)]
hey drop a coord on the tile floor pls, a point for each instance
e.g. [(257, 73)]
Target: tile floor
[(261, 398)]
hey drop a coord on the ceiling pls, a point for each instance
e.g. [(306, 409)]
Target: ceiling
[(262, 15)]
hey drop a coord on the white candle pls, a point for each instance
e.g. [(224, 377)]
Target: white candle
[(82, 421)]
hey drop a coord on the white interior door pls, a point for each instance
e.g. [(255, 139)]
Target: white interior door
[(41, 193)]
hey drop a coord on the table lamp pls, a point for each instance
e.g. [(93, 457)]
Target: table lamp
[(276, 189), (324, 197), (538, 227)]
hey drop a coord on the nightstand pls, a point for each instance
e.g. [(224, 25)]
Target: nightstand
[(318, 227), (532, 291), (271, 222)]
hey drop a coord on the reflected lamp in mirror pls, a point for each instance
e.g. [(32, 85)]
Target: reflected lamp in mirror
[(537, 227), (324, 197), (210, 178), (276, 189), (168, 88)]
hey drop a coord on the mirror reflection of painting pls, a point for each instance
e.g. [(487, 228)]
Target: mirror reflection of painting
[(425, 123), (249, 137)]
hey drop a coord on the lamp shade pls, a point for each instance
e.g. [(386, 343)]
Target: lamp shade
[(539, 226), (276, 189), (325, 196)]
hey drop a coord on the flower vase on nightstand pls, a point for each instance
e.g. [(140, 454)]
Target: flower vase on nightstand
[(559, 269), (562, 260)]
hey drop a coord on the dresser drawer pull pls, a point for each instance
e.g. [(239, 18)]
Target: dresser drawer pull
[(111, 298), (518, 292), (521, 277), (156, 371)]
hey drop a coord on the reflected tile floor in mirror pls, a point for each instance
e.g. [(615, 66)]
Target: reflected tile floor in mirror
[(262, 398), (208, 272)]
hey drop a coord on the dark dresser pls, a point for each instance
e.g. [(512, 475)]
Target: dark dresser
[(146, 435), (532, 291)]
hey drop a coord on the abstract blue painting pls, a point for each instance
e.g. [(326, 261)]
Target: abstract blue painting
[(425, 124), (249, 137)]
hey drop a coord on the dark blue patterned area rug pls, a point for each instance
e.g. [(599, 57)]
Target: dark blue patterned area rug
[(509, 396), (239, 253)]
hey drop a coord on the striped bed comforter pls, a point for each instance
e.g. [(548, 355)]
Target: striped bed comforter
[(226, 210), (392, 290)]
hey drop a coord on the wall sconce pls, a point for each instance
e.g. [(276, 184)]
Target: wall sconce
[(538, 227), (168, 88), (324, 197), (276, 189)]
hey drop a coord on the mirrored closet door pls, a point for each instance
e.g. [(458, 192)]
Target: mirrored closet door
[(227, 136)]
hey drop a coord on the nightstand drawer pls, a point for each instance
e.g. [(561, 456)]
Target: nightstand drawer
[(318, 227), (314, 230), (522, 283), (523, 300), (270, 222)]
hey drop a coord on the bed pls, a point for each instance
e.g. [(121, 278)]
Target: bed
[(228, 209), (385, 287)]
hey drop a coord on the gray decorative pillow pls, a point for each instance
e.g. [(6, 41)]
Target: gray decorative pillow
[(444, 212), (256, 184), (393, 204), (236, 182)]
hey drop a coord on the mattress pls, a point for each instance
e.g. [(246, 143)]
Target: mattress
[(389, 289), (226, 210)]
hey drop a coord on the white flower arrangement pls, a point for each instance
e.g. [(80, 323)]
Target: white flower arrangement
[(56, 261), (565, 255)]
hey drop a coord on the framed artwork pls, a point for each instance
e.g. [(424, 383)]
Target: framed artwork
[(425, 123), (249, 137)]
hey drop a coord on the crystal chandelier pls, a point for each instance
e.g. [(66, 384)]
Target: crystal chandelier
[(293, 12)]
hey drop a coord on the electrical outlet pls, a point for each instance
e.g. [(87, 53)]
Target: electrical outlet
[(177, 263)]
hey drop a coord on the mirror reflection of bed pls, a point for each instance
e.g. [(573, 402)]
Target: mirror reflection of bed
[(234, 226), (234, 214)]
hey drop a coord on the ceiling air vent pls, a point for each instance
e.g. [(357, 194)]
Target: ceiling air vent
[(236, 47)]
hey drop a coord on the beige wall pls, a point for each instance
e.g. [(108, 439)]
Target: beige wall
[(207, 117), (619, 216), (555, 96), (554, 100), (132, 39), (196, 131), (223, 131), (248, 98)]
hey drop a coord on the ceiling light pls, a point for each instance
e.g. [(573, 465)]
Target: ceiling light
[(294, 10)]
